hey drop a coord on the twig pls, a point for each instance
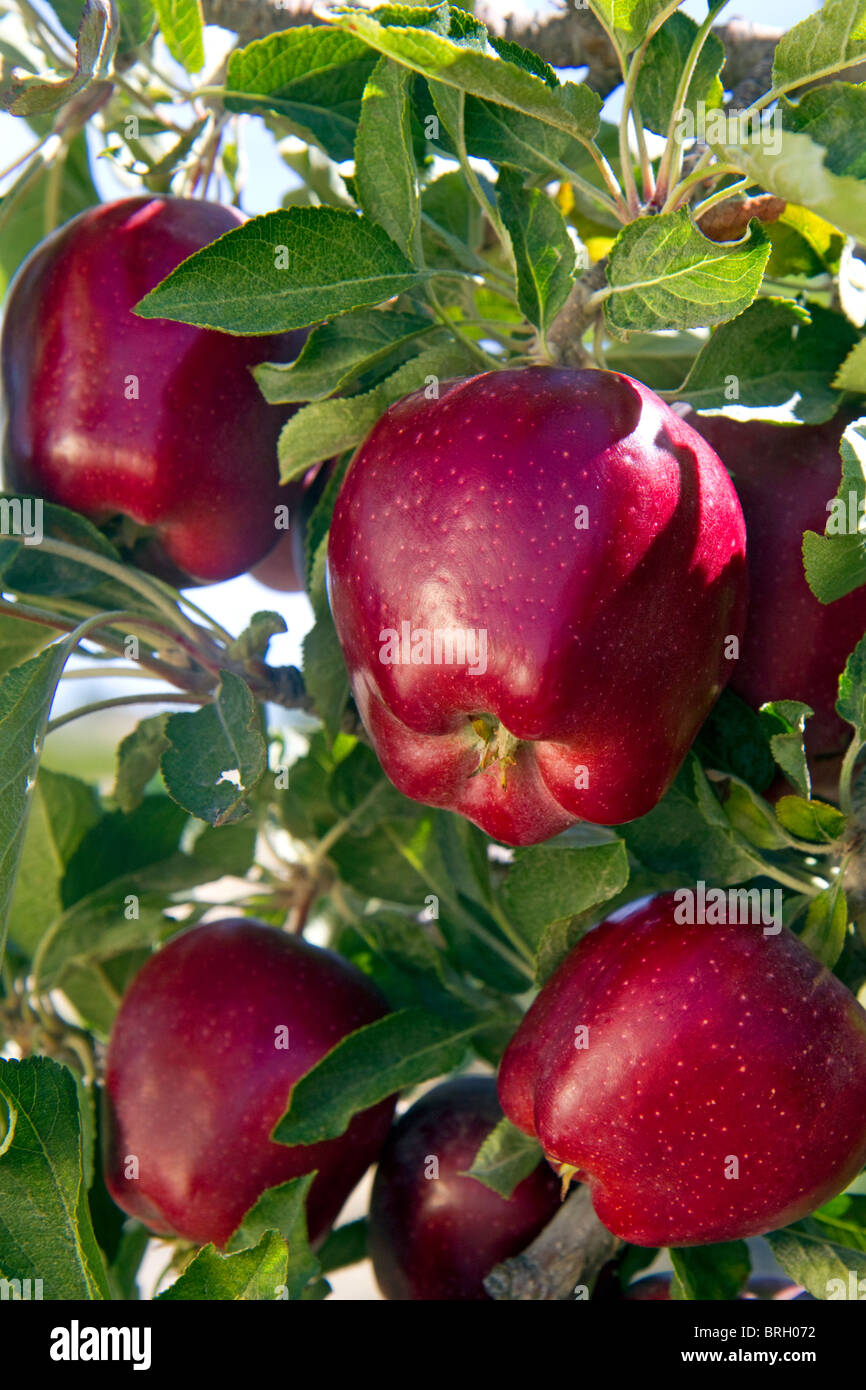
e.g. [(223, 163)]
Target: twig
[(568, 1254)]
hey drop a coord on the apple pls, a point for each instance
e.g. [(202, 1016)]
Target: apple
[(657, 1287), (795, 648), (211, 1035), (534, 578), (435, 1233), (707, 1082), (154, 422)]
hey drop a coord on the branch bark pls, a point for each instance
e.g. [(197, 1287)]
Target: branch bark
[(569, 1253)]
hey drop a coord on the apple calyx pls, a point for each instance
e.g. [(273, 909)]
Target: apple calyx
[(498, 746), (567, 1173)]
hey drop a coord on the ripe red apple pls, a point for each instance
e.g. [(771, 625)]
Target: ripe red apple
[(708, 1082), (435, 1234), (283, 568), (795, 648), (584, 547), (145, 419), (212, 1034)]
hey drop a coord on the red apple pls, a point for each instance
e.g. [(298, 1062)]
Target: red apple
[(708, 1082), (283, 568), (434, 1233), (586, 546), (795, 648), (156, 422), (212, 1034), (657, 1288)]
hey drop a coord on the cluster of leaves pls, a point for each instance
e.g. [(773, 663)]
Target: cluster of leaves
[(484, 195)]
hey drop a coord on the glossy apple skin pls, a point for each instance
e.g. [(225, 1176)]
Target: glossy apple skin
[(437, 1238), (605, 644), (704, 1042), (795, 648), (194, 458), (195, 1083)]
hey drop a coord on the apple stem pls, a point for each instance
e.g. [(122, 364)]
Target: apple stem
[(567, 1255)]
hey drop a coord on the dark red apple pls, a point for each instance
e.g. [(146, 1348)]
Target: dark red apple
[(212, 1034), (283, 568), (148, 420), (708, 1082), (434, 1233), (657, 1288), (795, 648), (534, 578)]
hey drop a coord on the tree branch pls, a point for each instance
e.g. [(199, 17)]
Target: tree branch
[(569, 1252)]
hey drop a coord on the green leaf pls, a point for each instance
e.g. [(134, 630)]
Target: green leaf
[(826, 924), (283, 1209), (138, 759), (851, 376), (505, 1158), (660, 360), (338, 352), (803, 244), (833, 116), (45, 1227), (543, 250), (287, 269), (181, 25), (257, 1275), (787, 745), (825, 42), (28, 94), (26, 568), (710, 1271), (507, 136), (402, 1049), (664, 273), (662, 66), (137, 18), (810, 820), (752, 817), (386, 179), (835, 563), (27, 199), (775, 353), (821, 1266), (325, 674), (630, 21), (452, 223), (344, 1246), (548, 883), (313, 77), (20, 639), (469, 70), (216, 755), (735, 739), (841, 1220), (851, 704), (325, 428), (62, 810), (26, 695)]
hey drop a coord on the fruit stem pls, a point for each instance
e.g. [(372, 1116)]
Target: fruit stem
[(163, 697), (846, 774)]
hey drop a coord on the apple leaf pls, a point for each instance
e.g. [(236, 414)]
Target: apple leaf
[(710, 1271), (662, 65), (26, 568), (543, 250), (824, 1268), (386, 178), (469, 69), (337, 353), (29, 95), (344, 1246), (402, 1049), (629, 22), (137, 19), (548, 883), (803, 244), (823, 43), (20, 639), (324, 428), (216, 755), (734, 739), (660, 360), (257, 1275), (505, 1158), (312, 77), (138, 759), (826, 922), (24, 203), (842, 1220), (283, 1209), (45, 1227), (787, 720), (62, 811), (664, 273), (325, 674), (777, 352), (851, 704), (810, 820), (835, 563), (505, 136), (833, 116), (851, 376), (284, 270), (182, 26), (752, 817)]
